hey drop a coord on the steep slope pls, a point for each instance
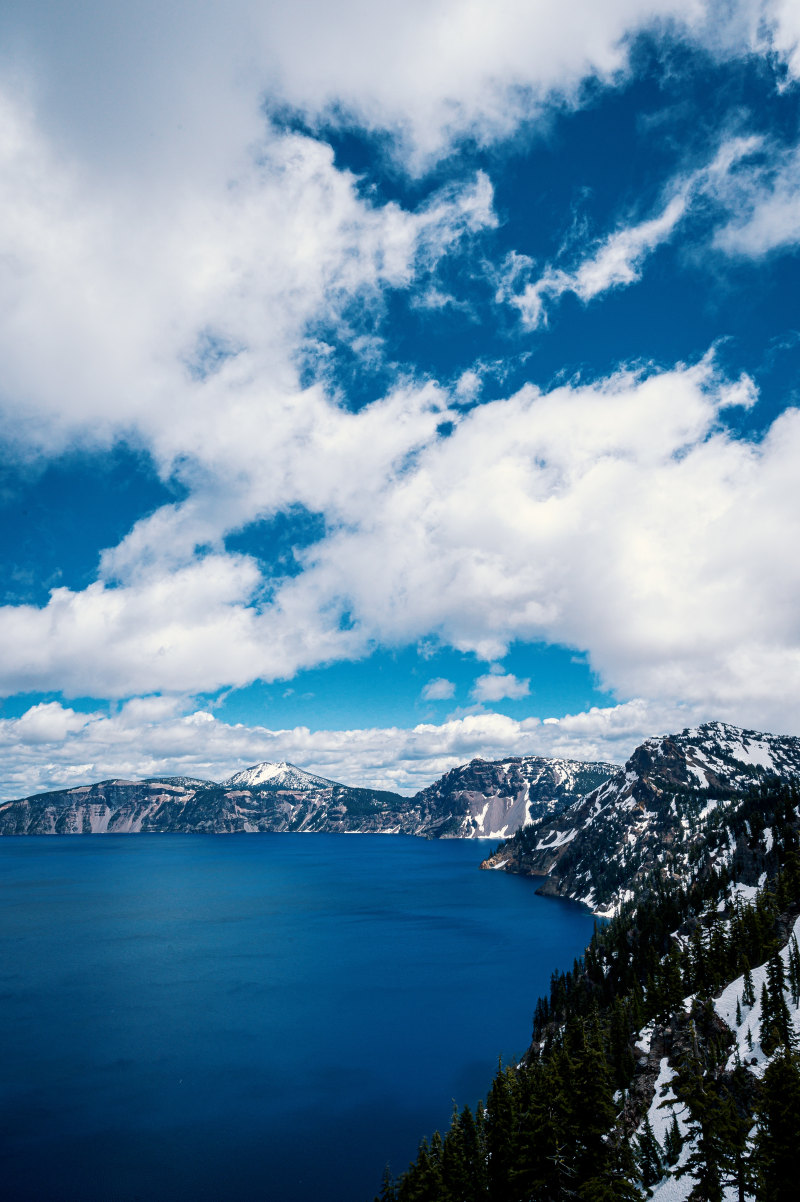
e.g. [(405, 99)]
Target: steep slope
[(665, 1063), (275, 776), (109, 807), (479, 799), (288, 801), (493, 798), (659, 814)]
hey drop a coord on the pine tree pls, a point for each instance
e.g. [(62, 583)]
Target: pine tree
[(423, 1180), (794, 970), (651, 1161), (748, 992), (456, 1178), (673, 1142), (388, 1187), (778, 1126), (705, 1162), (502, 1125), (776, 1022)]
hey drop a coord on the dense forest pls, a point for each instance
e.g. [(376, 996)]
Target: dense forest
[(577, 1117)]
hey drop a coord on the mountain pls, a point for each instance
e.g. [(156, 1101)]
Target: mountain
[(664, 1065), (480, 799), (669, 805), (276, 776), (286, 799), (491, 799)]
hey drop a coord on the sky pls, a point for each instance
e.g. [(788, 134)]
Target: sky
[(386, 385)]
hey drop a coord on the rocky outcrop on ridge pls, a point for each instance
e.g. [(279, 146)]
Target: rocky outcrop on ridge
[(656, 816)]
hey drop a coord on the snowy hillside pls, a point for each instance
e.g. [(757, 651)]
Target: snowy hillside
[(275, 776), (667, 805), (484, 798), (664, 1064), (491, 799)]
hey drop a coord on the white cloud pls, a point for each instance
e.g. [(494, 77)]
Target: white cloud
[(617, 260), (144, 740), (427, 71), (496, 686), (438, 689), (764, 205), (618, 518)]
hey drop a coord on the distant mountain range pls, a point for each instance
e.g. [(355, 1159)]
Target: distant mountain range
[(482, 799), (676, 800), (590, 831)]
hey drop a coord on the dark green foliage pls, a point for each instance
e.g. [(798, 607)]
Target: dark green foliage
[(388, 1187), (778, 1127), (794, 970), (551, 1128), (651, 1158), (776, 1024), (673, 1142)]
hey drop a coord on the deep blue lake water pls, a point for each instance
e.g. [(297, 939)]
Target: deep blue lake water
[(253, 1017)]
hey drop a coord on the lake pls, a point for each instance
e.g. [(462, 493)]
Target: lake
[(247, 1017)]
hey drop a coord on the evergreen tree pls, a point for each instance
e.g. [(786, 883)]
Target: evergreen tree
[(388, 1187), (776, 1022), (794, 970), (748, 992), (673, 1142), (423, 1181), (705, 1163), (502, 1126), (456, 1181), (651, 1160), (778, 1127)]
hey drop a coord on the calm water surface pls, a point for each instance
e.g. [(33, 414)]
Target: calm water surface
[(253, 1017)]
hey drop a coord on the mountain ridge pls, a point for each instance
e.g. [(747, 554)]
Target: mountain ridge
[(670, 797), (482, 799), (664, 1065)]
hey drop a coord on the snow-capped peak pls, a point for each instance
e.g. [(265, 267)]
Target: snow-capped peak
[(272, 775)]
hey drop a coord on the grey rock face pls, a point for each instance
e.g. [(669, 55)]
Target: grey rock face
[(480, 799), (652, 817)]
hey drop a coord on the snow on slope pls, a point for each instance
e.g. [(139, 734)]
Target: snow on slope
[(747, 1051), (281, 775), (651, 815)]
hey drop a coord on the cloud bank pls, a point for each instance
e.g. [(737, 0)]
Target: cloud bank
[(51, 746), (180, 262)]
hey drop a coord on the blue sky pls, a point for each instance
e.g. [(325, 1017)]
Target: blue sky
[(386, 387)]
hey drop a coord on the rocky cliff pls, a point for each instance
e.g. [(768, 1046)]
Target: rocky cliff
[(479, 799), (669, 807)]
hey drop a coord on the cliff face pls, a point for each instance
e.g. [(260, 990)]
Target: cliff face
[(666, 809), (490, 799), (480, 799), (175, 805)]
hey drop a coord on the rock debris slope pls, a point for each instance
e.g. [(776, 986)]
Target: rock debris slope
[(667, 809), (479, 799)]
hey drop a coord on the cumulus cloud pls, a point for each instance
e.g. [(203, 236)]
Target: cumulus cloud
[(438, 689), (166, 286), (618, 517), (497, 686), (54, 747), (110, 303), (428, 72)]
